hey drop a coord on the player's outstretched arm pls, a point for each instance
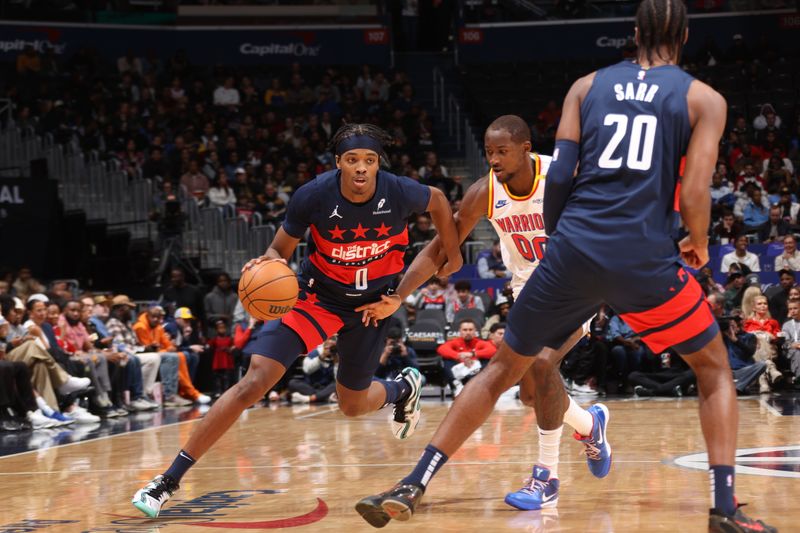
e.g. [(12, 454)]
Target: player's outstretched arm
[(432, 257), (707, 114), (442, 216), (280, 249)]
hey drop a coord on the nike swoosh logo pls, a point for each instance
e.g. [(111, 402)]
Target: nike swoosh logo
[(546, 498)]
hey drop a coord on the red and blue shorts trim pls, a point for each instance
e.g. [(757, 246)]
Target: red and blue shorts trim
[(684, 322)]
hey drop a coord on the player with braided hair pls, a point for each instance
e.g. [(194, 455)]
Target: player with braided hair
[(625, 129), (355, 217)]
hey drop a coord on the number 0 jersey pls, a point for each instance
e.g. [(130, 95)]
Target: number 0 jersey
[(634, 130), (355, 251), (519, 224)]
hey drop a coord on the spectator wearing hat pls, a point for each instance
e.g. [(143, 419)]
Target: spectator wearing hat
[(463, 299), (740, 255), (100, 314), (187, 338), (789, 208), (778, 295), (142, 367), (150, 332), (502, 305), (790, 258), (775, 227)]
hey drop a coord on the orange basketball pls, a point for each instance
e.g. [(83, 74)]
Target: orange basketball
[(268, 290)]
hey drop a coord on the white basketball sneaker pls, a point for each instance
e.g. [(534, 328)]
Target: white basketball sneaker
[(406, 413), (152, 496)]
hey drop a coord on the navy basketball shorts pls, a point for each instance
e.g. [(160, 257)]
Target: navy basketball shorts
[(660, 301), (308, 324)]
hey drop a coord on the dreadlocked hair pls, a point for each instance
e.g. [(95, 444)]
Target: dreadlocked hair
[(370, 130), (661, 23)]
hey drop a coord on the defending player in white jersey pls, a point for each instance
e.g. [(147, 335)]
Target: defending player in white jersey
[(511, 197)]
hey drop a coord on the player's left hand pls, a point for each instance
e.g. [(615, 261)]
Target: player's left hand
[(452, 265), (376, 311), (693, 254)]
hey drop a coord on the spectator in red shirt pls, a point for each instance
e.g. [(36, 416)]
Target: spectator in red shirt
[(222, 362), (467, 344)]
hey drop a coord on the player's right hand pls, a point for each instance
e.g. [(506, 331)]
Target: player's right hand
[(693, 254), (376, 311), (263, 259)]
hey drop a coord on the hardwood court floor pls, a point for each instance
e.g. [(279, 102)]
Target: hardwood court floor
[(304, 469)]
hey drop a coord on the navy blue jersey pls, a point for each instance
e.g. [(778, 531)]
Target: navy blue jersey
[(634, 130), (355, 250)]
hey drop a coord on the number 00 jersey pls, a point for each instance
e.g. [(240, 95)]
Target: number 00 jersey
[(519, 224)]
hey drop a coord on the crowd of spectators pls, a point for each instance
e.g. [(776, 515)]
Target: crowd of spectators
[(242, 140)]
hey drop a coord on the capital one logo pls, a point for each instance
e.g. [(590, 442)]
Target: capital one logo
[(276, 49), (605, 41)]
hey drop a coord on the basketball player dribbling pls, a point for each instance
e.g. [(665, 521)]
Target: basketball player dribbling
[(611, 232), (511, 196), (356, 217)]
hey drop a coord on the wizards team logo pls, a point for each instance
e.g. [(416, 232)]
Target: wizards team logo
[(775, 461)]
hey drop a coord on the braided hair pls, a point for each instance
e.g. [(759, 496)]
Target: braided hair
[(661, 23), (369, 130)]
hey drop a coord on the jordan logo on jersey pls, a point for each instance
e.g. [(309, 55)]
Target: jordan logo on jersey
[(335, 213)]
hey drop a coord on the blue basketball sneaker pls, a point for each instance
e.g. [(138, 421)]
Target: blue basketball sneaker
[(596, 446), (538, 492)]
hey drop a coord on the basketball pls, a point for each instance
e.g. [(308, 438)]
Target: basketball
[(268, 290)]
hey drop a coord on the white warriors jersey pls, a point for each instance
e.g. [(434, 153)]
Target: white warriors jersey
[(519, 223)]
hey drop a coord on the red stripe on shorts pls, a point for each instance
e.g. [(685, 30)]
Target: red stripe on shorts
[(673, 309), (323, 319), (685, 330)]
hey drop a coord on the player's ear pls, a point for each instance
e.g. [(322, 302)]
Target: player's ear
[(636, 35), (527, 146), (338, 162), (685, 35)]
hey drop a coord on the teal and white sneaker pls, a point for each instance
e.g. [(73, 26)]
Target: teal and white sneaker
[(152, 496), (405, 418)]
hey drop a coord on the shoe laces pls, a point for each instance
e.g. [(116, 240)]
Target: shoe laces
[(531, 485), (590, 448)]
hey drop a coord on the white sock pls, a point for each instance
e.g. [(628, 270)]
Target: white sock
[(46, 409), (549, 440), (578, 418)]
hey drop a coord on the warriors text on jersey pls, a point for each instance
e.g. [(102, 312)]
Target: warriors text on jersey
[(355, 250), (519, 224), (634, 130)]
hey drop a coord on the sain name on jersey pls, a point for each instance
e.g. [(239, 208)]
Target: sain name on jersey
[(641, 92)]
